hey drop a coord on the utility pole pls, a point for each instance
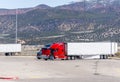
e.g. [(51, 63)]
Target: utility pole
[(84, 19), (16, 19)]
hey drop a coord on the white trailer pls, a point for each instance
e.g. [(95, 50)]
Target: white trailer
[(10, 48), (90, 50)]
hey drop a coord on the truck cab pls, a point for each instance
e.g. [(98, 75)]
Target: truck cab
[(44, 52), (59, 50), (52, 51)]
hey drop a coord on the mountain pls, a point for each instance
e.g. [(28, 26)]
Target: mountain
[(22, 10), (43, 6), (94, 20), (77, 6)]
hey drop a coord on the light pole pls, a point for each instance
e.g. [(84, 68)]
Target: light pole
[(16, 19), (84, 19)]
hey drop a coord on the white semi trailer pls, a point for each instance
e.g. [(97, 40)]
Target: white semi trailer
[(92, 49), (9, 49)]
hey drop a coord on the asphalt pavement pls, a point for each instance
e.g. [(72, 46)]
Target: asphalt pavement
[(30, 69)]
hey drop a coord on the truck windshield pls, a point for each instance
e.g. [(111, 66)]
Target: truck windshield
[(47, 46)]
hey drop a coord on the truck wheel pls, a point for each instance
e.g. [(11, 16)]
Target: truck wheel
[(38, 57), (51, 57), (45, 59), (70, 57)]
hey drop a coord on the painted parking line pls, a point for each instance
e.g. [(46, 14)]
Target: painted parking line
[(8, 78)]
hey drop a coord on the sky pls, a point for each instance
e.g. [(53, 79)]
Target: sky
[(13, 4)]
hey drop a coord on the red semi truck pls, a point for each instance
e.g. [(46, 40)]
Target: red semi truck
[(77, 50), (53, 51)]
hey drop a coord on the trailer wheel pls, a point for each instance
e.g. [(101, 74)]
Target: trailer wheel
[(7, 54), (106, 56), (73, 57), (101, 57), (68, 58)]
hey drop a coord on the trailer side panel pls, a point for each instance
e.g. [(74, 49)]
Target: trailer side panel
[(92, 48), (10, 47)]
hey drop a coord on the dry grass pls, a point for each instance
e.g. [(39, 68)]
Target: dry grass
[(118, 54)]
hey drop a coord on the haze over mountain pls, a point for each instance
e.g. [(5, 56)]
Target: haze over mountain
[(94, 20)]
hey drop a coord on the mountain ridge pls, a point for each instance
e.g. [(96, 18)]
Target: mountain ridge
[(76, 22)]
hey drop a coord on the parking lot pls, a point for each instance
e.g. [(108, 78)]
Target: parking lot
[(30, 69)]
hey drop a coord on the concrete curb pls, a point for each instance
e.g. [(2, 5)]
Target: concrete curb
[(115, 58)]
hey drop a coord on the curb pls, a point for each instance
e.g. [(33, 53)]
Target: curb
[(115, 58)]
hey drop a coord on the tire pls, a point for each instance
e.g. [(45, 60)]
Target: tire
[(106, 56), (7, 54), (38, 57), (51, 57), (45, 59), (101, 56), (71, 57)]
